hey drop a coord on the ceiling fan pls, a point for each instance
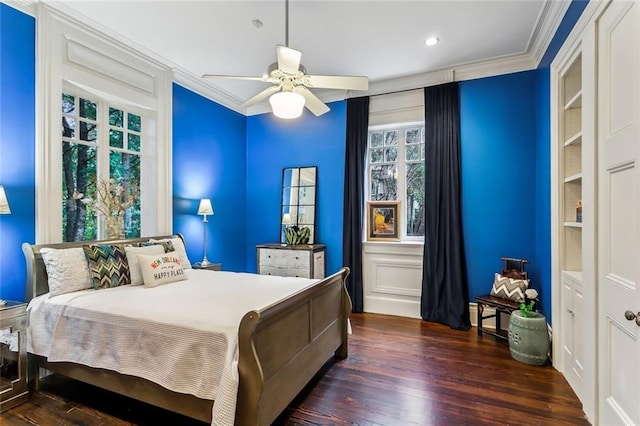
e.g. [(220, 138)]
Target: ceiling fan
[(290, 91)]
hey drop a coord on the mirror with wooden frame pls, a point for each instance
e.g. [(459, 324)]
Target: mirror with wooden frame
[(298, 204)]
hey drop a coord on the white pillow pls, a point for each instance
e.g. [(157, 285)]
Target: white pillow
[(67, 270), (161, 269), (132, 258), (178, 245)]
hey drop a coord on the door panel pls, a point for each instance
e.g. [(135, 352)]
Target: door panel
[(618, 198)]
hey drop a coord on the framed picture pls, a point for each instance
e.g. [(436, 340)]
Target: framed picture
[(383, 220)]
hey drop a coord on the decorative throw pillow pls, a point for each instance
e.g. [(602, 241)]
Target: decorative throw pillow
[(108, 265), (179, 248), (67, 270), (161, 269), (508, 288), (132, 259)]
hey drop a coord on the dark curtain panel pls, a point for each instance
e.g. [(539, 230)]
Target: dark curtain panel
[(445, 294), (355, 157)]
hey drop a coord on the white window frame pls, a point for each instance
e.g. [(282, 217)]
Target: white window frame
[(401, 170), (74, 56)]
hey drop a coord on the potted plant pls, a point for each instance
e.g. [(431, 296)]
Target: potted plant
[(528, 333)]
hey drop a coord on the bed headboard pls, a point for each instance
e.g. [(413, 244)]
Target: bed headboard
[(37, 280)]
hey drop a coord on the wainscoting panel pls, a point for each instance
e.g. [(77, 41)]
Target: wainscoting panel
[(392, 275)]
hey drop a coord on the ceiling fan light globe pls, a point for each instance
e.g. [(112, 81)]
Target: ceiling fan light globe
[(287, 105)]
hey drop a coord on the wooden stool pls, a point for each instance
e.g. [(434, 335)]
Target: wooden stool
[(500, 305)]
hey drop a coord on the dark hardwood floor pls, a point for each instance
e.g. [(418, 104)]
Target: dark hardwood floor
[(400, 371)]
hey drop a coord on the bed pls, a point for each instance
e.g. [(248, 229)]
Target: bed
[(280, 346)]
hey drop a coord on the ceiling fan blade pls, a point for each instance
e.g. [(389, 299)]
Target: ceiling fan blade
[(288, 59), (260, 96), (234, 77), (336, 82), (312, 102)]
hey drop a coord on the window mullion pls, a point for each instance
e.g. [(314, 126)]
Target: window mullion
[(402, 192), (103, 142)]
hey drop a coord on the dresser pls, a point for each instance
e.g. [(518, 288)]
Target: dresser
[(304, 260)]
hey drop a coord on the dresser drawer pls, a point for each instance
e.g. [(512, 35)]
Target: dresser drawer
[(284, 272), (286, 259)]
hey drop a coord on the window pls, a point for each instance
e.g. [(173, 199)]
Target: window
[(105, 113), (395, 172), (87, 159)]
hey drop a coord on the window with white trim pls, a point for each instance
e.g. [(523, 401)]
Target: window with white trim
[(105, 117), (101, 151), (395, 172)]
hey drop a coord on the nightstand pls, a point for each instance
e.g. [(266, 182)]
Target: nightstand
[(209, 267), (13, 355)]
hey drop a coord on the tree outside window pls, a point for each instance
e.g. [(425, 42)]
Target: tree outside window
[(86, 123)]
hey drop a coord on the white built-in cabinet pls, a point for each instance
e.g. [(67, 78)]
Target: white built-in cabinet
[(573, 183), (595, 116), (570, 221)]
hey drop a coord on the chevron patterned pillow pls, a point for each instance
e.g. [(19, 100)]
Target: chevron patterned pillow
[(509, 288), (108, 265)]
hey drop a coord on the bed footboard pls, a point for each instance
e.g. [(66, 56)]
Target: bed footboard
[(284, 345)]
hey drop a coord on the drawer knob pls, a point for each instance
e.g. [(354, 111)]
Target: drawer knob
[(297, 257)]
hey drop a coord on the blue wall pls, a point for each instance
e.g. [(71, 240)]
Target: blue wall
[(498, 174), (273, 144), (209, 152), (17, 146)]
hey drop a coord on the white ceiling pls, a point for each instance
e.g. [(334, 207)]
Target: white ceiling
[(383, 40)]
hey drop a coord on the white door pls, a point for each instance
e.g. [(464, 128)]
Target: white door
[(619, 213)]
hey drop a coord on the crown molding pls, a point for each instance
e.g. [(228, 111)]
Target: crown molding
[(550, 19), (196, 84), (497, 66)]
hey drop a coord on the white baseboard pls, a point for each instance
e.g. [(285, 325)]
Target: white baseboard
[(389, 306)]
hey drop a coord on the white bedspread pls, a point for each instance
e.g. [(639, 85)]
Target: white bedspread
[(183, 335)]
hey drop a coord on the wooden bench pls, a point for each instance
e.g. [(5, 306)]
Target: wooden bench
[(501, 305)]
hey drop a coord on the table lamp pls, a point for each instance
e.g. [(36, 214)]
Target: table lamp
[(205, 209)]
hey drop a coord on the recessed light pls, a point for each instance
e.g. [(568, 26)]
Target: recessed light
[(432, 41)]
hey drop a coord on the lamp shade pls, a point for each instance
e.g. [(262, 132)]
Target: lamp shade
[(286, 219), (205, 207), (287, 104), (4, 203)]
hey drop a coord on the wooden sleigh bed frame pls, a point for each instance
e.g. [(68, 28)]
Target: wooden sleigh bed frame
[(281, 348)]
